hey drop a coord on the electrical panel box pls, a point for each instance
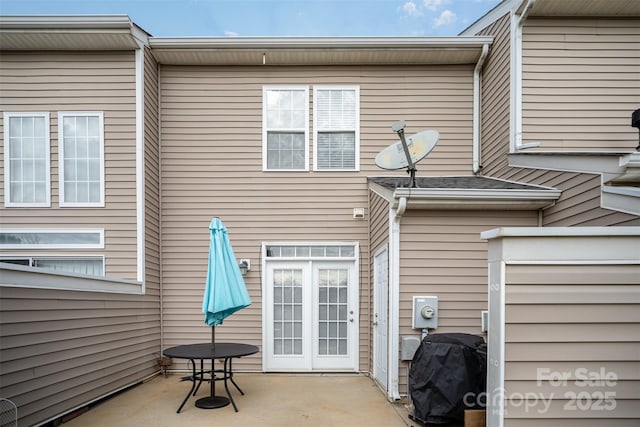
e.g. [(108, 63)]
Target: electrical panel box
[(408, 346), (425, 312)]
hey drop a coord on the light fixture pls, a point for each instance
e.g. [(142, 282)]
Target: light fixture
[(245, 266), (635, 122)]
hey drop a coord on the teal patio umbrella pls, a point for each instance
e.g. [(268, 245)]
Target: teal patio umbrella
[(225, 291)]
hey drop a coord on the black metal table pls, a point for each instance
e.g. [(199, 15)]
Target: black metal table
[(208, 351)]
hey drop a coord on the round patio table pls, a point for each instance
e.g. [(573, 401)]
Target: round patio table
[(225, 351)]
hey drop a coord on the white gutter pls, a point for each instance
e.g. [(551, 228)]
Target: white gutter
[(317, 42), (517, 22), (476, 109), (393, 332)]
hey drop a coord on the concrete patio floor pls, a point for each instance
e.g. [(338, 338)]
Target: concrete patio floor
[(269, 400)]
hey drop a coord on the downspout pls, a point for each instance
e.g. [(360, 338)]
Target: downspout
[(476, 109), (393, 325), (516, 63), (140, 180)]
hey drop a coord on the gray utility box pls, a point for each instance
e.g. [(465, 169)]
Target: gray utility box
[(425, 312)]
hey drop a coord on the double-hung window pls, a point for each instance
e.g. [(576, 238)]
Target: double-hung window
[(81, 140), (336, 128), (285, 128), (26, 160)]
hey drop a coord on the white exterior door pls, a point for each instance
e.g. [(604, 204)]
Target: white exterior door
[(380, 313), (334, 322), (310, 315)]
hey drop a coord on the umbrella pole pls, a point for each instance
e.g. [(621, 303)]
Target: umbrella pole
[(212, 401)]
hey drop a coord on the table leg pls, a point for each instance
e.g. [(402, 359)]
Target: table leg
[(227, 375), (193, 385), (231, 376)]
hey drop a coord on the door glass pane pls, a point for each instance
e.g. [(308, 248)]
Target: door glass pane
[(287, 311), (332, 309)]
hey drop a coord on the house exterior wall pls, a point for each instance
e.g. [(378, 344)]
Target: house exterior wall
[(212, 166), (546, 96), (441, 254), (61, 349), (495, 107), (580, 83), (580, 203), (152, 213), (571, 366), (58, 82)]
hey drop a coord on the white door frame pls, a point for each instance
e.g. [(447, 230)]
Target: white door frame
[(307, 262), (380, 297)]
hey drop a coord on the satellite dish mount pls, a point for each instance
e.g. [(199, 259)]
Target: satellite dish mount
[(407, 152), (398, 127)]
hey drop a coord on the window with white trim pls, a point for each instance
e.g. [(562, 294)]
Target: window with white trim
[(26, 160), (88, 265), (52, 238), (336, 116), (81, 148), (285, 127)]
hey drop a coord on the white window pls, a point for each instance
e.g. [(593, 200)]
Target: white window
[(336, 117), (26, 160), (51, 238), (285, 118), (88, 265), (81, 147)]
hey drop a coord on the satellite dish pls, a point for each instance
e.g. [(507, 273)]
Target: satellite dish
[(407, 152)]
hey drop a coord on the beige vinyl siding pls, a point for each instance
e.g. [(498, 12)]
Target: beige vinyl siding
[(212, 166), (580, 83), (562, 318), (62, 349), (152, 175), (379, 222), (495, 101), (104, 82), (579, 204), (442, 254)]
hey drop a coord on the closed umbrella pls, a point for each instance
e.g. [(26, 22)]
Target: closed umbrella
[(225, 292)]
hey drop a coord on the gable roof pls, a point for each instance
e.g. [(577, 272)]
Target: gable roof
[(464, 192)]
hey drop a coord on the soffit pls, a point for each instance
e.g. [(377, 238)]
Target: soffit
[(317, 51), (85, 32)]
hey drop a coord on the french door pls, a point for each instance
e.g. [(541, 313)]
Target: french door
[(311, 319)]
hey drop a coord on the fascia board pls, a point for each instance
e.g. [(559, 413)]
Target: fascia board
[(559, 232), (490, 17), (382, 191), (47, 22), (596, 162), (447, 198), (317, 42)]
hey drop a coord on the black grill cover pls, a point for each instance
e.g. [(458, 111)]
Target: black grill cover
[(445, 368)]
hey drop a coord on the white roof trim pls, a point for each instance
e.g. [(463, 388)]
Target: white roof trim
[(559, 232), (316, 42), (34, 277)]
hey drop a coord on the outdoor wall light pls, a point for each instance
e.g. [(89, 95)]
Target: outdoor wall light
[(245, 266)]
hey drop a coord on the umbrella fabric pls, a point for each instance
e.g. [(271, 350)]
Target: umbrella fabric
[(225, 291)]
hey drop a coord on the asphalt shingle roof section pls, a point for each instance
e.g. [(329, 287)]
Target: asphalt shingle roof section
[(457, 182)]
